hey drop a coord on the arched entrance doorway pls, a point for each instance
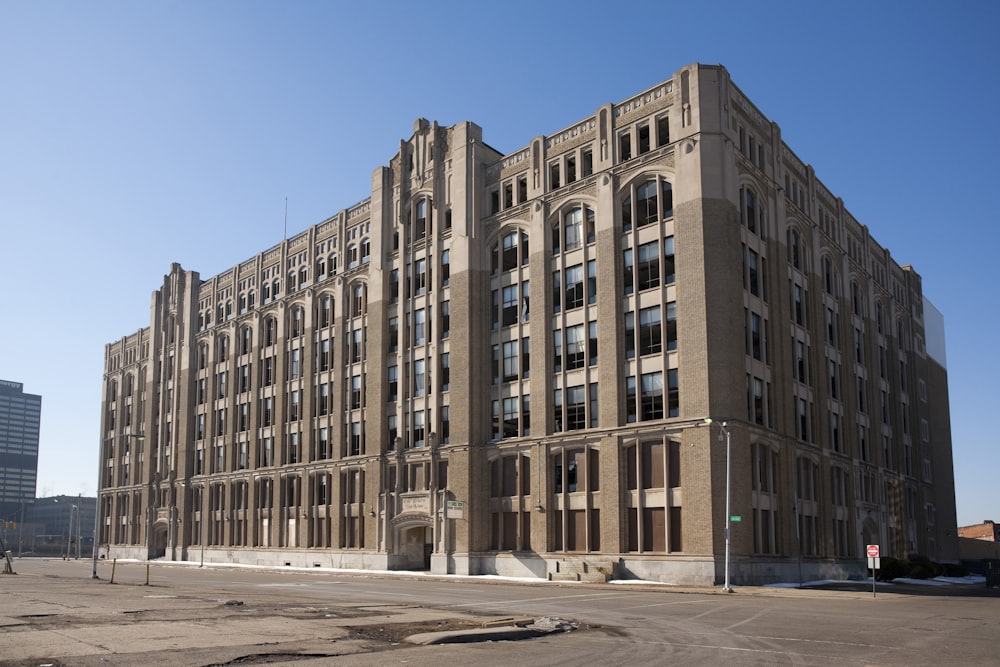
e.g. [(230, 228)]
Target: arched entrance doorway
[(414, 545), (158, 540)]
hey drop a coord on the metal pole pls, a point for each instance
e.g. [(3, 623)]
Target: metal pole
[(69, 534), (78, 517), (204, 524), (729, 471)]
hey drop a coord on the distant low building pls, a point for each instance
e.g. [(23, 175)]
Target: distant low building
[(980, 541), (54, 526), (987, 530)]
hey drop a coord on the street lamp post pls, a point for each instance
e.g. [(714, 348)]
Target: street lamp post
[(729, 478)]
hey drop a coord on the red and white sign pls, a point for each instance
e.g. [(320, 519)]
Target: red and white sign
[(872, 550)]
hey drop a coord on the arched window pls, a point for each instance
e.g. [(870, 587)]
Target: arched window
[(654, 201), (246, 340), (510, 251), (794, 248), (576, 226), (297, 322), (352, 256), (325, 310), (366, 250), (421, 226), (270, 331), (752, 211), (830, 277)]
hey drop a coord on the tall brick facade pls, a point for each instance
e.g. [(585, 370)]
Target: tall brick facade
[(504, 363)]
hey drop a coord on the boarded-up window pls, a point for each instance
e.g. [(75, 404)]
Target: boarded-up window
[(675, 529), (508, 539), (631, 481), (633, 528), (595, 530), (652, 465), (674, 464), (594, 471), (510, 476), (654, 529), (576, 531)]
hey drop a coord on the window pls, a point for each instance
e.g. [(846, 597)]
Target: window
[(510, 361), (324, 399), (393, 375), (512, 249), (795, 248), (355, 392), (576, 408), (418, 282), (648, 273), (420, 224), (798, 306), (643, 135), (668, 260), (510, 305), (326, 310), (757, 400), (324, 354), (419, 377), (445, 267), (393, 334), (418, 429), (354, 443), (650, 333), (358, 301), (419, 327), (625, 146), (445, 371), (445, 319), (753, 274), (756, 337), (752, 212), (576, 353), (662, 131), (652, 396), (671, 329), (574, 286), (267, 411), (654, 201)]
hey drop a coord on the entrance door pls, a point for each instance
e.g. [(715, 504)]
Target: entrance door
[(158, 548), (416, 548)]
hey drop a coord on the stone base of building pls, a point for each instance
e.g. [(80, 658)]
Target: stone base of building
[(595, 568)]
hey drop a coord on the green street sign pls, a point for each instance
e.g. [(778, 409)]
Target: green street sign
[(736, 519)]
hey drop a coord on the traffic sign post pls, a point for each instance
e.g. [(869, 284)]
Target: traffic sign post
[(874, 562)]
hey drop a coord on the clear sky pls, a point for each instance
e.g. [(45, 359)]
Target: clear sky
[(137, 134)]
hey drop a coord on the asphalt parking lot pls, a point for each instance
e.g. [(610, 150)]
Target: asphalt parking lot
[(55, 614)]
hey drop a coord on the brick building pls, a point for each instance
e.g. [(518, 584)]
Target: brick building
[(503, 363)]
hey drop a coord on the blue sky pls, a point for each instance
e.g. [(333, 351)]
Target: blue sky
[(137, 134)]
